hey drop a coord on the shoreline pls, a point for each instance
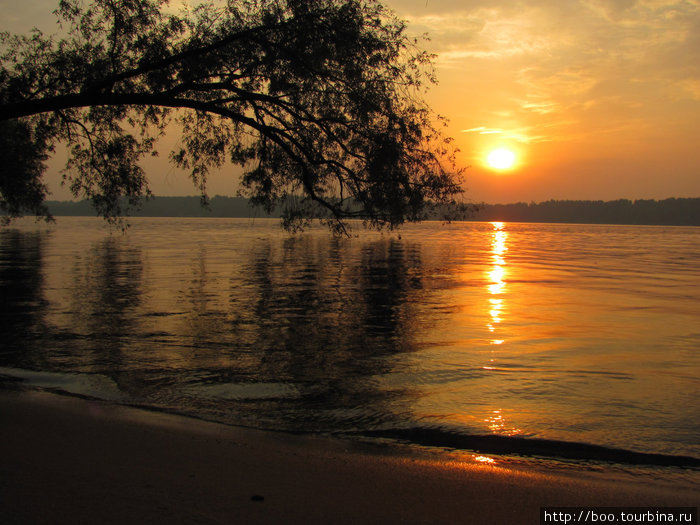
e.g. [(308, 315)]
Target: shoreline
[(69, 460)]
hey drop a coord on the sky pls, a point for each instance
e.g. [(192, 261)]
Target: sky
[(597, 99)]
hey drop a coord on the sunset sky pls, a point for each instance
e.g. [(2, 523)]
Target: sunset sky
[(597, 99)]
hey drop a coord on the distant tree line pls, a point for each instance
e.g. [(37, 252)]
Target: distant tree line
[(217, 206), (681, 212)]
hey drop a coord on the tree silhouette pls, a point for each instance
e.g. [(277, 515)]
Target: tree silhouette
[(22, 156), (318, 100)]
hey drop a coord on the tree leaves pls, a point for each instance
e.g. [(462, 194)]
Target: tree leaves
[(22, 156), (318, 100)]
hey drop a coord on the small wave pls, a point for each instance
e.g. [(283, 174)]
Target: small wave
[(517, 445), (247, 391), (91, 385)]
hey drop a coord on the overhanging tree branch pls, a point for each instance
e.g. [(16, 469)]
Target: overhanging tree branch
[(318, 98)]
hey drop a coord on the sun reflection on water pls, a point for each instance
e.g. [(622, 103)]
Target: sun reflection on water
[(496, 276), (498, 424), (497, 283)]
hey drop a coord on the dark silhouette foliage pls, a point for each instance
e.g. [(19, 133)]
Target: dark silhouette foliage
[(319, 101), (22, 156), (671, 212), (678, 212)]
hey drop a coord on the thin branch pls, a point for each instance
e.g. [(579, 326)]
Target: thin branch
[(109, 82)]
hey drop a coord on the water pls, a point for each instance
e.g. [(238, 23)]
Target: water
[(522, 335)]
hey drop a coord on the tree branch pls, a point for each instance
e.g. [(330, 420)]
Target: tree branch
[(109, 82)]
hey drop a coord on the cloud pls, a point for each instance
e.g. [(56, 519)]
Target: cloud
[(551, 69), (689, 88), (483, 33), (482, 130), (525, 135)]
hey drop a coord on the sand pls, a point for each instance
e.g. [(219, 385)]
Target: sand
[(70, 460)]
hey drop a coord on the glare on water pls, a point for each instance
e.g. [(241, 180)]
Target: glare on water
[(567, 332)]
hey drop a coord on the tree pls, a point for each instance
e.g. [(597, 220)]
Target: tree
[(22, 156), (318, 100)]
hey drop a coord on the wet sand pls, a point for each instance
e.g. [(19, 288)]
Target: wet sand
[(70, 460)]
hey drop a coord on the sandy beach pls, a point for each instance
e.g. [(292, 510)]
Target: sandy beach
[(71, 460)]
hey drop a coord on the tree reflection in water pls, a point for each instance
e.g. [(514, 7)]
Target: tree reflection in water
[(290, 333), (23, 305)]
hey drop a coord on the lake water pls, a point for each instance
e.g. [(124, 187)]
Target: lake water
[(485, 336)]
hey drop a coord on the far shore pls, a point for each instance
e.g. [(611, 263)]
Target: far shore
[(665, 212), (72, 460)]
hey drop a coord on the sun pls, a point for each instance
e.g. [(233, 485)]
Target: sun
[(501, 159)]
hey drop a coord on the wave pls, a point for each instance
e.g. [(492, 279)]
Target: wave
[(521, 446), (96, 386)]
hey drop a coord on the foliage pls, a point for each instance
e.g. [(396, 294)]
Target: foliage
[(22, 156), (318, 100)]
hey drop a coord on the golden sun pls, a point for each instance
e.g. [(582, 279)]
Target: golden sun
[(501, 159)]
